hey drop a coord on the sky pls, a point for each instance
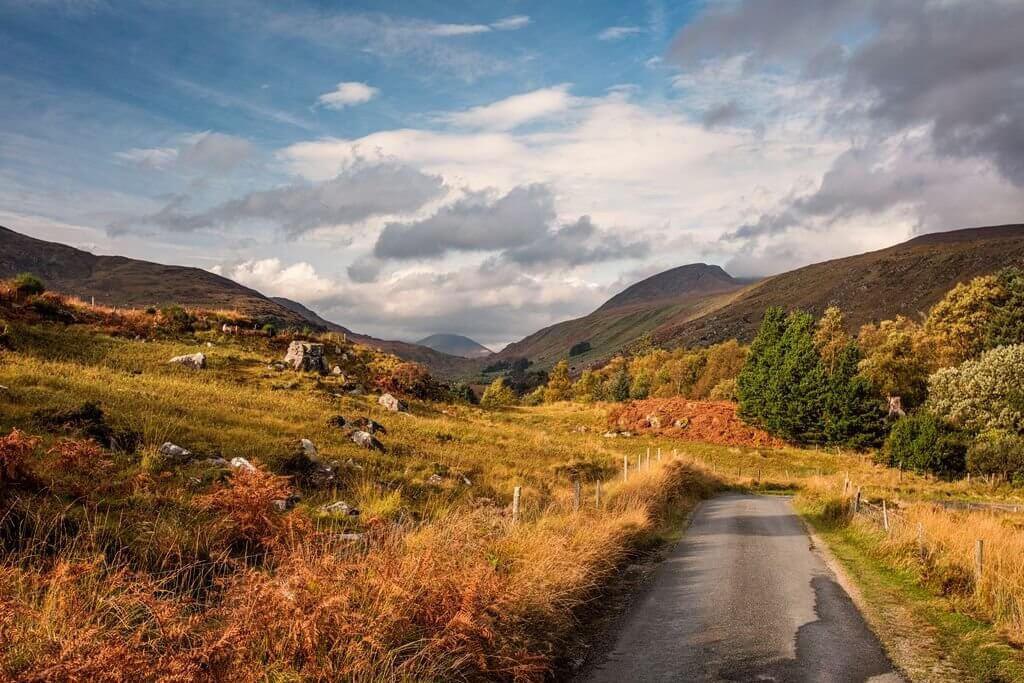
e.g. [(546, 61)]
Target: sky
[(410, 168)]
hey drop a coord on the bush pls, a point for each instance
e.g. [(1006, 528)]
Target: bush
[(534, 398), (498, 394), (269, 330), (579, 348), (411, 379), (559, 387), (15, 449), (463, 393), (27, 284), (176, 319), (982, 394), (724, 391), (924, 442), (996, 452)]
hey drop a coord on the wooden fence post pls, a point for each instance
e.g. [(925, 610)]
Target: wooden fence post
[(639, 462), (856, 502), (979, 558), (885, 517), (659, 455), (758, 475), (517, 493), (625, 469), (597, 494), (576, 495)]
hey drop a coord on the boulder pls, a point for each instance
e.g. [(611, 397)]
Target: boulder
[(196, 361), (391, 403), (309, 448), (242, 464), (306, 356), (367, 441), (336, 370), (339, 507), (175, 453)]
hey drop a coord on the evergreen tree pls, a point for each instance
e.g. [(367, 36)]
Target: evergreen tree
[(618, 390), (762, 361), (853, 412)]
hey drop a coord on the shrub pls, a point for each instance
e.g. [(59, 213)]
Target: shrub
[(534, 398), (924, 442), (15, 449), (27, 284), (246, 504), (618, 389), (176, 319), (269, 330), (463, 393), (724, 391), (588, 387), (410, 379), (498, 394), (579, 348), (996, 452), (982, 394)]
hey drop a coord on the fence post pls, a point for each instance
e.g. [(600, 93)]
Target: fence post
[(856, 502), (647, 463), (576, 495), (920, 540), (758, 475), (846, 485), (659, 455), (901, 474), (885, 517), (968, 478), (597, 495), (625, 469), (979, 557), (639, 462), (517, 493)]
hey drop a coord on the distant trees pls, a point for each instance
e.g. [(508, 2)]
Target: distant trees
[(579, 348)]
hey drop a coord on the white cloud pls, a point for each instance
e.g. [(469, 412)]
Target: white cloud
[(515, 110), (512, 23), (619, 32), (149, 157), (447, 30), (206, 152), (346, 94), (273, 278)]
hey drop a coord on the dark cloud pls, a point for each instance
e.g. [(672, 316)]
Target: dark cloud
[(576, 244), (362, 191), (722, 114), (479, 221)]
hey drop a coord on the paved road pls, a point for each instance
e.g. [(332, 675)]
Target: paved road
[(744, 597)]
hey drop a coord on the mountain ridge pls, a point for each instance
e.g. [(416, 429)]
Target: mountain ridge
[(455, 345)]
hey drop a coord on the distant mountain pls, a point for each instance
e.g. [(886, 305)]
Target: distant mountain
[(689, 280), (455, 345), (639, 309), (120, 281), (906, 279)]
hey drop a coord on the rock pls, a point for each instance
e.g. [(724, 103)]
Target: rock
[(306, 356), (336, 370), (339, 507), (352, 464), (368, 425), (367, 440), (681, 423), (309, 448), (611, 435), (215, 462), (175, 453), (209, 345), (435, 480), (196, 361), (336, 421), (466, 480), (391, 403), (358, 391), (242, 464), (286, 504)]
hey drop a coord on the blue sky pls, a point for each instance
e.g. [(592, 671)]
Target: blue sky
[(411, 168)]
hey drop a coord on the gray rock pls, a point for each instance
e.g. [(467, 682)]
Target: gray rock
[(336, 370), (339, 507), (309, 448), (242, 464), (216, 462), (196, 361), (435, 480), (391, 403), (175, 453), (286, 504), (306, 356), (367, 441)]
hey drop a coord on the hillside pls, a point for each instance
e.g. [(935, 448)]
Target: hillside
[(641, 308), (906, 279), (455, 345), (121, 281)]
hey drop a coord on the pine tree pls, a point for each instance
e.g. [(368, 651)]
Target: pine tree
[(853, 411), (762, 361)]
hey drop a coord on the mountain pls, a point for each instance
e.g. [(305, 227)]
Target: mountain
[(906, 279), (121, 281), (639, 309), (689, 280), (455, 345)]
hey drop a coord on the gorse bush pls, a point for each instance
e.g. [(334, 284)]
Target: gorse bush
[(981, 394), (27, 284), (924, 442)]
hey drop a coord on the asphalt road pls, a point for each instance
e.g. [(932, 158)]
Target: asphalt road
[(745, 597)]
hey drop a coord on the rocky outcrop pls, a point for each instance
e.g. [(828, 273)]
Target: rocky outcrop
[(196, 361), (367, 441), (306, 357), (391, 403)]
